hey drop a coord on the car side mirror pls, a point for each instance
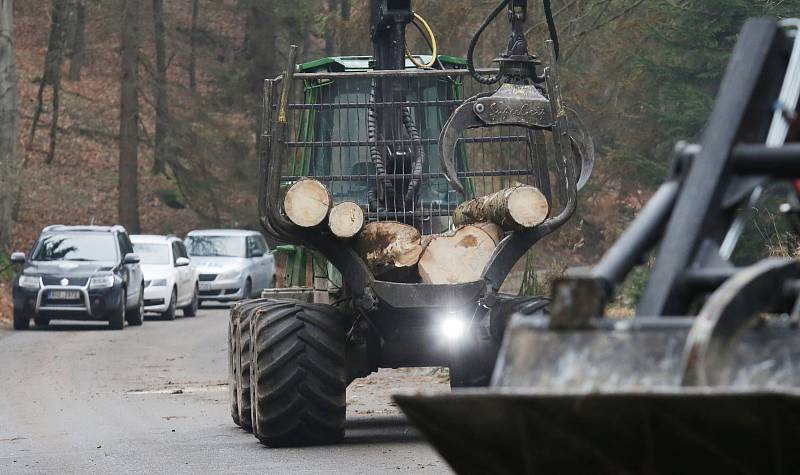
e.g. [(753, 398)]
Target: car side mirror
[(131, 258), (257, 253), (182, 262), (18, 258)]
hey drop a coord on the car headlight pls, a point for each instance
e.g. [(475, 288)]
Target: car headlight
[(229, 275), (102, 282), (29, 281), (158, 283)]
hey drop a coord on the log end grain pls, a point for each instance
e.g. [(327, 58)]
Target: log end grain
[(527, 206), (346, 219), (307, 203)]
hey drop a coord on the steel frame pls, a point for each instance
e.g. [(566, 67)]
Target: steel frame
[(275, 143)]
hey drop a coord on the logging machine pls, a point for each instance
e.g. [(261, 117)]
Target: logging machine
[(406, 188)]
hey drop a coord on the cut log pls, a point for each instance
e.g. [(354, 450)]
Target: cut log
[(494, 231), (516, 208), (388, 246), (456, 257), (346, 219), (307, 203)]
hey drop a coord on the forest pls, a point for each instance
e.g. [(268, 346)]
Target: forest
[(146, 112)]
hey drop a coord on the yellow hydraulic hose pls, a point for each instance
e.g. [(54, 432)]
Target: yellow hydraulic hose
[(434, 48)]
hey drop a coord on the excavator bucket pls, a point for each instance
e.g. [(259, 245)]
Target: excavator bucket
[(611, 400), (658, 432), (706, 377)]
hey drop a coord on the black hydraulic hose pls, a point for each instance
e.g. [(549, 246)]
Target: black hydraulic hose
[(419, 152), (551, 25), (473, 43), (372, 137)]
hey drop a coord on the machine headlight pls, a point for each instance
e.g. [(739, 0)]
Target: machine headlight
[(230, 275), (29, 281), (102, 282), (158, 283), (453, 326)]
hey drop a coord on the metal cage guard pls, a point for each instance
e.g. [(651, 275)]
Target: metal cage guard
[(323, 135)]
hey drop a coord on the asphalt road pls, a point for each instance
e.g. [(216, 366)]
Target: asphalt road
[(77, 398)]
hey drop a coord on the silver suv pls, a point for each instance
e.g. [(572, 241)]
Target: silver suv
[(232, 264)]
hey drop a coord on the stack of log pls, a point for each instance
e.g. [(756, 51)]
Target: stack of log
[(396, 251)]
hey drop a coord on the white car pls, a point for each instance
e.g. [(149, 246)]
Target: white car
[(170, 278), (233, 264)]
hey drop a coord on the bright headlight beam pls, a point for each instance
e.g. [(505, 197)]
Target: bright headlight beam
[(453, 328)]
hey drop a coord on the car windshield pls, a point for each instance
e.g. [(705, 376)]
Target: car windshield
[(76, 247), (216, 246), (152, 253)]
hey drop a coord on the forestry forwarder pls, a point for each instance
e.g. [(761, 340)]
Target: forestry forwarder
[(408, 207)]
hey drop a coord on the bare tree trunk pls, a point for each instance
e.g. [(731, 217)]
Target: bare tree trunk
[(51, 151), (193, 46), (128, 205), (77, 47), (54, 61), (260, 42), (162, 99), (8, 124), (330, 33)]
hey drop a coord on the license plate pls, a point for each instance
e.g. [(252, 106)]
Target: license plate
[(205, 287), (65, 295)]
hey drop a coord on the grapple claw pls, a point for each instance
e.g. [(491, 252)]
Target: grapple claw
[(512, 105), (462, 119)]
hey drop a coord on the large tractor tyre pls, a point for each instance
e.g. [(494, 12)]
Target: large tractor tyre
[(300, 374), (232, 397), (117, 318), (473, 363), (136, 316), (21, 321), (239, 348), (243, 369)]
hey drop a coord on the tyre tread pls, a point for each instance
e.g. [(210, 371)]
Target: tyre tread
[(299, 360)]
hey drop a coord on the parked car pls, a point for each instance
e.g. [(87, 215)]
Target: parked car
[(170, 279), (79, 273), (232, 264)]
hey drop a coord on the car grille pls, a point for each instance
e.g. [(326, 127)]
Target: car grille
[(207, 277), (51, 280)]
